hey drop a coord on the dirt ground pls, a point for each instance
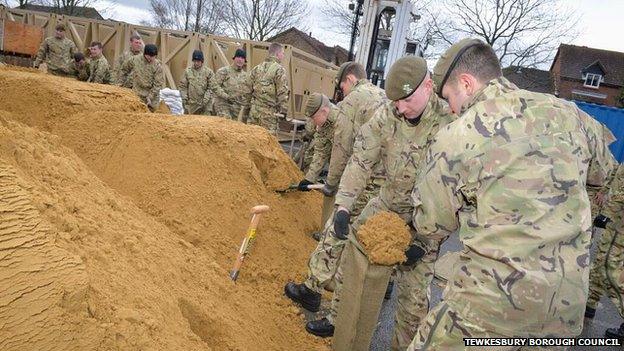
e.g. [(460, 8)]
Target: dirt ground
[(118, 227)]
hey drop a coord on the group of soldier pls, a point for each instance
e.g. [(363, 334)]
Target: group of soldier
[(456, 150), (463, 150), (259, 96)]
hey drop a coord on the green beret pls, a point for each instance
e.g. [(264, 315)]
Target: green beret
[(341, 70), (314, 103), (405, 76), (447, 62)]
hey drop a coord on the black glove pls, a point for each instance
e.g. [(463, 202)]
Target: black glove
[(303, 185), (601, 221), (341, 224), (329, 190), (413, 253)]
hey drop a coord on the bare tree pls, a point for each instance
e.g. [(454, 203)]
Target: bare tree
[(202, 16), (522, 32), (337, 18), (261, 19)]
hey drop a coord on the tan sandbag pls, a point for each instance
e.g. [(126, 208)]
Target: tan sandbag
[(363, 289)]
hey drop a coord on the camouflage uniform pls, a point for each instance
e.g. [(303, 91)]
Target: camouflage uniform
[(57, 54), (229, 98), (356, 109), (509, 175), (80, 73), (308, 153), (196, 88), (607, 272), (322, 146), (146, 78), (267, 94), (99, 71), (118, 74)]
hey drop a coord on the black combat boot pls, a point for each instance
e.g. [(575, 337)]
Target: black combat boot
[(388, 294), (321, 327), (615, 333), (590, 312), (299, 293)]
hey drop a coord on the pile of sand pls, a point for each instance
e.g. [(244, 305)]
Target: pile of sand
[(385, 237), (121, 228)]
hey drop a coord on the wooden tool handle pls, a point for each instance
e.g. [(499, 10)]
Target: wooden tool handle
[(248, 241), (315, 186)]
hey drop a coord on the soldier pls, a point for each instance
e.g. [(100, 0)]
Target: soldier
[(146, 76), (509, 175), (136, 49), (99, 70), (198, 86), (323, 116), (361, 101), (267, 91), (607, 272), (398, 137), (80, 67), (231, 79), (57, 52)]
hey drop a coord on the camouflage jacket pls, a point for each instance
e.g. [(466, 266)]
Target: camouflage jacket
[(147, 78), (322, 146), (118, 75), (231, 82), (509, 175), (399, 146), (197, 87), (81, 73), (267, 86), (355, 110), (99, 71), (58, 54)]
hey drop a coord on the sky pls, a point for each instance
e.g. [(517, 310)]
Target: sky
[(599, 21)]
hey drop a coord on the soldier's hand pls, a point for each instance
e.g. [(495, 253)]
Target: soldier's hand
[(600, 198), (329, 190), (303, 185), (413, 253), (341, 224)]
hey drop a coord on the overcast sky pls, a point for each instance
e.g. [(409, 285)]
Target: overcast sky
[(600, 21)]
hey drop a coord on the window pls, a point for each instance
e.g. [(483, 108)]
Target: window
[(592, 80)]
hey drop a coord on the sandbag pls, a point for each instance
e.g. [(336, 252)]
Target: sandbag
[(363, 289)]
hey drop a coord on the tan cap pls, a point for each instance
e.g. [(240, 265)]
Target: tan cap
[(314, 103), (405, 76), (448, 60)]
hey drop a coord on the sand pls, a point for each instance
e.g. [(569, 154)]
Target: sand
[(119, 227), (385, 237)]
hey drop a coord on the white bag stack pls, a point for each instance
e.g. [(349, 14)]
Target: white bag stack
[(173, 100)]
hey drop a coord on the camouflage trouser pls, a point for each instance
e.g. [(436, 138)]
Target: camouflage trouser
[(607, 272), (59, 72), (226, 110), (324, 260), (413, 300), (307, 157), (264, 116), (443, 329)]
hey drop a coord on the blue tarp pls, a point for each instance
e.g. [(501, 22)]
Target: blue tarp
[(613, 118)]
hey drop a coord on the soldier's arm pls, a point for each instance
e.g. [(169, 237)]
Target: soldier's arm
[(117, 74), (159, 83), (216, 85), (41, 53), (72, 49), (602, 165), (435, 196), (282, 90), (183, 87), (343, 142), (322, 150), (126, 69), (366, 154)]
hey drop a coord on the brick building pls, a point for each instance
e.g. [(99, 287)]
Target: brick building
[(587, 74), (336, 55)]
